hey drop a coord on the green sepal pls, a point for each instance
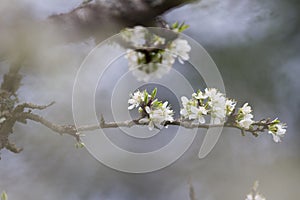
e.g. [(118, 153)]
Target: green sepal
[(175, 25), (4, 196), (145, 96), (153, 94)]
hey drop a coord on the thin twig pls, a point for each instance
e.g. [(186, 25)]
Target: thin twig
[(73, 131)]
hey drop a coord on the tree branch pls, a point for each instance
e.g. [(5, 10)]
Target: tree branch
[(73, 131), (88, 19), (61, 129)]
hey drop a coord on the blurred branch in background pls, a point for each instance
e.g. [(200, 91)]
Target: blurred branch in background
[(92, 18)]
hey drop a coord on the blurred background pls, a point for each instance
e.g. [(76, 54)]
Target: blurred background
[(255, 45)]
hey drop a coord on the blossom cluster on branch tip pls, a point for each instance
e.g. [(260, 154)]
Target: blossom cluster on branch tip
[(277, 130), (153, 112), (203, 104), (151, 56)]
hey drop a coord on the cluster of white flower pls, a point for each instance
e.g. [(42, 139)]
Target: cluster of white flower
[(136, 99), (277, 130), (153, 112), (254, 195), (144, 70), (210, 102), (180, 48), (150, 56)]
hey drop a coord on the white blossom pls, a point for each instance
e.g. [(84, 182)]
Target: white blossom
[(217, 103), (180, 48), (192, 110), (157, 115), (149, 71), (246, 109), (245, 118), (136, 99), (197, 113), (246, 121), (158, 40), (230, 106), (146, 71), (277, 131), (186, 110), (167, 59), (161, 60), (136, 36), (134, 58), (154, 112), (210, 102), (199, 95)]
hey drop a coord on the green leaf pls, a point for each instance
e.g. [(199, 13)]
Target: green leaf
[(145, 96), (79, 145), (183, 27), (276, 121), (175, 25), (153, 94), (4, 196)]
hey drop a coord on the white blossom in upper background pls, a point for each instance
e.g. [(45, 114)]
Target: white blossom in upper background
[(136, 36), (149, 55), (180, 48)]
